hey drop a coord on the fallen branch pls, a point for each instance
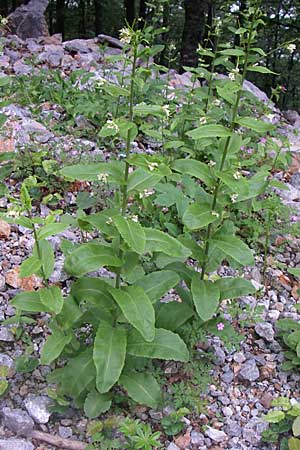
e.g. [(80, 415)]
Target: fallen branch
[(58, 441)]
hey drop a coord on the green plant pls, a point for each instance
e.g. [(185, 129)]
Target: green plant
[(139, 435), (3, 380), (289, 332), (173, 424), (283, 419)]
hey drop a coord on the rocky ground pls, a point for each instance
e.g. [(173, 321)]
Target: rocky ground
[(245, 379)]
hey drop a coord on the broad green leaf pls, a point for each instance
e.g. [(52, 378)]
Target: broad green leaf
[(195, 169), (137, 308), (52, 298), (69, 314), (109, 355), (158, 241), (3, 386), (232, 52), (90, 257), (140, 180), (166, 345), (29, 301), (293, 339), (172, 315), (209, 131), (281, 402), (206, 297), (294, 271), (84, 368), (50, 229), (156, 284), (198, 215), (235, 248), (259, 126), (96, 404), (93, 172), (47, 257), (274, 416), (145, 110), (132, 233), (142, 388), (294, 443), (231, 288), (54, 346), (94, 291), (260, 69), (30, 266)]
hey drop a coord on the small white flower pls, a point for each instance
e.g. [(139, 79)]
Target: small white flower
[(112, 125), (231, 76), (135, 218), (237, 175), (152, 166), (102, 177), (234, 197), (211, 163), (109, 221), (291, 48), (203, 120), (217, 102), (4, 21), (166, 109), (100, 82), (146, 193), (215, 213), (171, 95), (13, 213), (125, 35)]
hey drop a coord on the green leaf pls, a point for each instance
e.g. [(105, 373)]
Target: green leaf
[(281, 402), (294, 444), (209, 131), (260, 69), (52, 298), (142, 388), (96, 404), (235, 248), (274, 416), (92, 172), (231, 288), (84, 368), (232, 52), (172, 315), (145, 110), (109, 355), (47, 257), (294, 271), (94, 291), (29, 301), (69, 314), (158, 241), (132, 233), (54, 346), (166, 345), (293, 339), (137, 308), (30, 266), (195, 169), (198, 216), (156, 284), (296, 426), (140, 180), (50, 229), (259, 126), (206, 297), (3, 386), (90, 257)]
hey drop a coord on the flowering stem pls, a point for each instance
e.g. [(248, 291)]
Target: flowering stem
[(225, 151)]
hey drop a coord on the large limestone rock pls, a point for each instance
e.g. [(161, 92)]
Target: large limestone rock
[(28, 21)]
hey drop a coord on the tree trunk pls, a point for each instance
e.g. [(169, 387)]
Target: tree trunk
[(130, 11), (60, 17), (142, 10), (50, 17), (98, 16), (193, 31), (82, 27)]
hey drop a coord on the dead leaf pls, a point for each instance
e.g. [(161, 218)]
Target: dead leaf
[(7, 145), (284, 279), (4, 229), (183, 441), (26, 284)]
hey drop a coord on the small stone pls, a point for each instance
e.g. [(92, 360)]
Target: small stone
[(249, 371), (6, 335), (15, 444), (6, 360), (227, 377), (17, 421), (155, 415), (215, 435), (37, 408), (172, 446), (2, 283), (233, 428), (65, 432), (274, 314), (4, 229), (220, 356), (265, 330), (197, 438), (266, 400), (239, 357), (227, 411)]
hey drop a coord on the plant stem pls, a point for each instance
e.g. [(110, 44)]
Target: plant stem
[(38, 248), (225, 151), (127, 165), (267, 241)]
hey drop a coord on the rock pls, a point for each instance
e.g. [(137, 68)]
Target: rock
[(65, 432), (21, 68), (227, 411), (197, 438), (78, 46), (6, 360), (4, 229), (215, 435), (17, 421), (233, 428), (258, 93), (239, 357), (266, 399), (249, 371), (172, 446), (37, 408), (220, 356), (265, 330), (28, 21), (53, 55), (227, 377), (6, 335), (291, 116), (295, 180), (15, 444), (2, 283), (111, 41)]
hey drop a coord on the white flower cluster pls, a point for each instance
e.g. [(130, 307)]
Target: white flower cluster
[(111, 125), (102, 177), (291, 48), (125, 35)]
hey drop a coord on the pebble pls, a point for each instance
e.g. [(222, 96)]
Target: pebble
[(6, 335), (215, 435), (37, 408), (65, 432), (6, 360), (249, 371), (265, 330), (17, 421), (15, 444)]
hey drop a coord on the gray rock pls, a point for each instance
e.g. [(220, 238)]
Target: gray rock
[(77, 46), (65, 432), (155, 415), (15, 444), (249, 371), (215, 435), (21, 68), (172, 446), (239, 357), (265, 330), (291, 116), (28, 21), (2, 283), (37, 408), (227, 377), (295, 180), (233, 428), (6, 335), (17, 421), (197, 438), (6, 360), (227, 411), (220, 356)]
